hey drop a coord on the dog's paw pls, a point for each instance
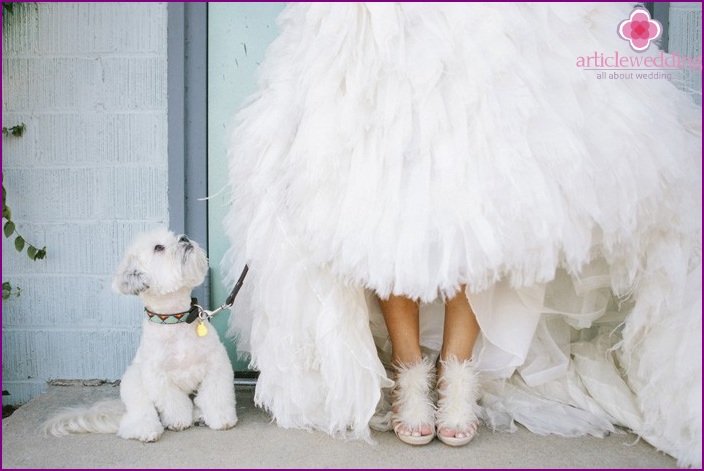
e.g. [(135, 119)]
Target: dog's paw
[(149, 437), (178, 426), (178, 415), (223, 421), (176, 422), (144, 432)]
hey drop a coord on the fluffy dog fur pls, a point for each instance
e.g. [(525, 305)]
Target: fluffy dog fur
[(172, 361)]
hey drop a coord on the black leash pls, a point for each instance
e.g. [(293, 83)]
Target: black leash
[(197, 311)]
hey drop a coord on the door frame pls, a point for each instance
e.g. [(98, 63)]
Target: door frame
[(187, 78)]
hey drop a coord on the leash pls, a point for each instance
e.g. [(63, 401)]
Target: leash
[(198, 312)]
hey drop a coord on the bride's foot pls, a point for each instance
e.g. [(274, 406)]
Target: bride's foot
[(413, 409), (453, 437), (458, 389)]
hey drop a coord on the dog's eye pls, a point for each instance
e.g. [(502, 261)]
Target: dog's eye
[(158, 248)]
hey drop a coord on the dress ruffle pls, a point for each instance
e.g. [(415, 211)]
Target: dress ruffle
[(415, 148)]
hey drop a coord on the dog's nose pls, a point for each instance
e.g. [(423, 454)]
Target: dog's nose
[(183, 239)]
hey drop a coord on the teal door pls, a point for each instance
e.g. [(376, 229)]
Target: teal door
[(238, 36)]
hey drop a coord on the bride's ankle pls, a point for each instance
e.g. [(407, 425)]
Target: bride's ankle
[(443, 359), (406, 359)]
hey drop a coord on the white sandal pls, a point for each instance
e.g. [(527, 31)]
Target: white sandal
[(458, 391), (413, 404)]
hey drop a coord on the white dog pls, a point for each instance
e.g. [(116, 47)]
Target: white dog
[(175, 359)]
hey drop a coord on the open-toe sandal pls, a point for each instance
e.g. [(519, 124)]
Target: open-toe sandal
[(413, 406), (458, 390)]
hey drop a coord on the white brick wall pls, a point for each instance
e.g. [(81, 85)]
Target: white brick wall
[(89, 81), (686, 39)]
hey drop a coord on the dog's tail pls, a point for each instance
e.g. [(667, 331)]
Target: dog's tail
[(102, 417)]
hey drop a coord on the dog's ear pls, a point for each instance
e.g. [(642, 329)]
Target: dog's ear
[(130, 277)]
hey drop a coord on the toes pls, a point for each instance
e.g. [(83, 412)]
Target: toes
[(450, 433), (423, 431), (403, 430)]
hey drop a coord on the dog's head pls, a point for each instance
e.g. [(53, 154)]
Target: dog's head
[(160, 262)]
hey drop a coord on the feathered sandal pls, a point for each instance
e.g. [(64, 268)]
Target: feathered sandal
[(458, 390), (413, 405)]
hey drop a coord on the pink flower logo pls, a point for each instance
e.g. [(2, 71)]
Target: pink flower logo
[(639, 29)]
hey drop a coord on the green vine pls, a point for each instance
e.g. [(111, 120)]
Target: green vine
[(11, 7), (9, 229), (16, 131)]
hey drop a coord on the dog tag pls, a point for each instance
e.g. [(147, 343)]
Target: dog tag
[(201, 330)]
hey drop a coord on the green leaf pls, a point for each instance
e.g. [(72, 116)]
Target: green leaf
[(32, 252), (6, 213), (19, 243), (18, 130), (41, 254), (6, 289), (9, 228)]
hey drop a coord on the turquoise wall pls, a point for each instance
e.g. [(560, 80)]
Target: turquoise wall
[(238, 35)]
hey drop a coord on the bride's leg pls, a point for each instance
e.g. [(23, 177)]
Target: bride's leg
[(458, 390), (461, 328), (413, 407), (401, 317)]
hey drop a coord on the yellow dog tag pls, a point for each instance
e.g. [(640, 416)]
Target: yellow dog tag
[(201, 330)]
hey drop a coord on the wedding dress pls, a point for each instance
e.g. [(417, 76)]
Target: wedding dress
[(415, 148)]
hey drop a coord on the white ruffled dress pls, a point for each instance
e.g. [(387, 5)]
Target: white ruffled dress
[(414, 148)]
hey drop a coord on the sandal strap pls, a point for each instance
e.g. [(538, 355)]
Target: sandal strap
[(459, 389), (413, 403)]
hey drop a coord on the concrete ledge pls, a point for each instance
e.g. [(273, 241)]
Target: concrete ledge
[(258, 443)]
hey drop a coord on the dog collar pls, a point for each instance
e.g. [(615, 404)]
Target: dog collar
[(185, 316)]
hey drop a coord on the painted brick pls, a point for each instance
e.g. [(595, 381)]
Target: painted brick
[(91, 171), (92, 248), (19, 32), (67, 354), (685, 35), (72, 28), (89, 193), (53, 303), (87, 139), (83, 83)]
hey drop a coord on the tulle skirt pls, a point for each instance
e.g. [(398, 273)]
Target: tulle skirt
[(414, 149)]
